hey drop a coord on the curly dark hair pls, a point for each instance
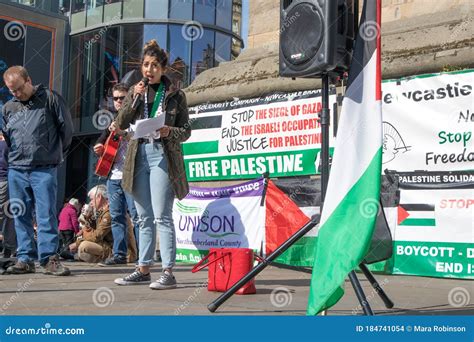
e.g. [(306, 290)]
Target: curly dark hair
[(152, 49)]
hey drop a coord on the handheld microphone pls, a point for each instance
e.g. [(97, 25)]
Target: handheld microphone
[(138, 97)]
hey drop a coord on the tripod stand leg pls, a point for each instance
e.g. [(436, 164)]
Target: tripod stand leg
[(259, 268), (370, 277), (360, 294), (212, 307)]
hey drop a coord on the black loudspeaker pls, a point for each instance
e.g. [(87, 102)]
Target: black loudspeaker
[(316, 36)]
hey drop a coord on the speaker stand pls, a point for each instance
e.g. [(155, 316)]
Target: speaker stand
[(325, 119)]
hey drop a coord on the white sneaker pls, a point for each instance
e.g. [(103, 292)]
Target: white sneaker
[(167, 281), (136, 278)]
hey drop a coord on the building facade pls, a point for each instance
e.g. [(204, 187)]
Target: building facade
[(106, 42)]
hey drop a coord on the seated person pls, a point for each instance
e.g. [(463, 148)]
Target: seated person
[(94, 243)]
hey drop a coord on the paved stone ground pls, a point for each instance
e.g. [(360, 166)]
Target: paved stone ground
[(91, 291)]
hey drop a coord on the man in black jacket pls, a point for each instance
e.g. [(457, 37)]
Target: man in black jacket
[(37, 127)]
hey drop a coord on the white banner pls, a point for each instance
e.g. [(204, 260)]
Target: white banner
[(240, 139), (436, 215), (229, 217), (428, 123)]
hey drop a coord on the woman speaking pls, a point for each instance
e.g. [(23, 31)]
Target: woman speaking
[(154, 170)]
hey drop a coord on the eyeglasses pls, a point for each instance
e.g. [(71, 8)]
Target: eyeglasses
[(116, 98)]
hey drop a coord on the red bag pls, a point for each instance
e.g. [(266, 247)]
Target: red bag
[(226, 267)]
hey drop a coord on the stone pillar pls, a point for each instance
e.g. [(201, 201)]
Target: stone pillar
[(418, 36)]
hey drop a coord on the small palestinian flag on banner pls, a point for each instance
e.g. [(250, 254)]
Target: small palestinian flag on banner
[(420, 215)]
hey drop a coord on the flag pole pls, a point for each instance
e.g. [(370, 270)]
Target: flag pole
[(325, 121), (324, 117), (212, 307)]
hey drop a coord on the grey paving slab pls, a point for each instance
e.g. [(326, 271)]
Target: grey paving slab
[(91, 291)]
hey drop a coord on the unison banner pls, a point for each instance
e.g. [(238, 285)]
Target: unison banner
[(219, 217), (242, 139)]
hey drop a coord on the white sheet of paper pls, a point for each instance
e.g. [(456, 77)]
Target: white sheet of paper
[(148, 127)]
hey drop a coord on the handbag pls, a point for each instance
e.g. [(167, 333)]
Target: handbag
[(226, 267)]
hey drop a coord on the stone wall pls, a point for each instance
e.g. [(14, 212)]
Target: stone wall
[(418, 36)]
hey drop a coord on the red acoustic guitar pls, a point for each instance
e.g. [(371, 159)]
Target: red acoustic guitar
[(105, 162)]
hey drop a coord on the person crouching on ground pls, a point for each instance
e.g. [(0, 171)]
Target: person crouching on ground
[(68, 226), (96, 240)]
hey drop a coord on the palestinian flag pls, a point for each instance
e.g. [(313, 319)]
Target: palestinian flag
[(421, 215), (283, 218), (352, 202), (203, 126)]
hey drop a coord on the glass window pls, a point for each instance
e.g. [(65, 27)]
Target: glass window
[(112, 11), (179, 57), (92, 80), (78, 5), (157, 32), (94, 12), (224, 14), (76, 66), (13, 51), (77, 184), (222, 48), (111, 67), (156, 9), (78, 18), (65, 7), (132, 48), (133, 8), (181, 9), (91, 4), (38, 55), (203, 53), (205, 11)]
